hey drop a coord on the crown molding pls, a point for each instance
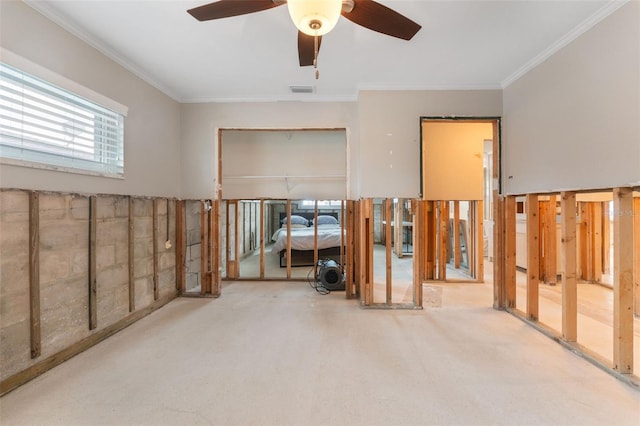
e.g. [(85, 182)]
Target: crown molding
[(572, 35)]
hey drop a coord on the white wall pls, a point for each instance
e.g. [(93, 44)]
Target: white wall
[(390, 133), (286, 164), (152, 127), (200, 124), (573, 122)]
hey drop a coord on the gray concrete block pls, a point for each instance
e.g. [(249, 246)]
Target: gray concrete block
[(63, 234), (15, 348), (105, 256), (12, 202), (105, 207), (142, 208), (53, 266), (112, 231), (79, 208), (53, 206)]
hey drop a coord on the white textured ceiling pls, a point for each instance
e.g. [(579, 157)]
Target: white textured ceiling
[(462, 45)]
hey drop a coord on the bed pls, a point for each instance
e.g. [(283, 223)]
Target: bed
[(302, 238)]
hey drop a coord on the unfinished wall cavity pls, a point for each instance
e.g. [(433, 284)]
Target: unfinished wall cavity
[(76, 269)]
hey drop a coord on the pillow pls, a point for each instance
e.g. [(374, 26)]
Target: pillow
[(327, 220), (293, 226), (296, 220)]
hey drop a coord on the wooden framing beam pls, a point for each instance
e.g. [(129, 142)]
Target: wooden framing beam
[(596, 245), (156, 287), (443, 253), (131, 259), (606, 238), (623, 280), (583, 248), (388, 204), (499, 271), (93, 283), (350, 290), (288, 239), (479, 254), (533, 256), (418, 248), (34, 274), (203, 247), (430, 240), (315, 238), (180, 247), (510, 251), (636, 254), (457, 250), (550, 243), (569, 267), (366, 250), (215, 282), (262, 239)]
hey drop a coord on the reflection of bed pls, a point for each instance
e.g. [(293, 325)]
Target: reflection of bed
[(302, 241)]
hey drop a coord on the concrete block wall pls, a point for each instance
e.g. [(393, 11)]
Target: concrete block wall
[(64, 258)]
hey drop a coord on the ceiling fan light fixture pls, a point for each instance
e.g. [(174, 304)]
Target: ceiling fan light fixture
[(315, 17)]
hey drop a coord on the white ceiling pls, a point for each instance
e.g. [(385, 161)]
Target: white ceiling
[(462, 45)]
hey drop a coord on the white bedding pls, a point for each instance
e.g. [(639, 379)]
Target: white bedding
[(302, 238)]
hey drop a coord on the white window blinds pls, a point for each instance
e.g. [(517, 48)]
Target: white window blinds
[(45, 124)]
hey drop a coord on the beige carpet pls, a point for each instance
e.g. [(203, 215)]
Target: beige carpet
[(276, 353)]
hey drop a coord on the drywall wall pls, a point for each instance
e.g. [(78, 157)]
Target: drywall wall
[(573, 122), (452, 160), (390, 133), (152, 126), (200, 124), (308, 164)]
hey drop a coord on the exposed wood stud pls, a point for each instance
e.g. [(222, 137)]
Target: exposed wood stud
[(262, 238), (606, 239), (551, 241), (431, 240), (499, 280), (93, 287), (131, 239), (288, 239), (180, 247), (533, 256), (479, 255), (510, 251), (349, 269), (388, 206), (34, 273), (569, 268), (636, 253), (214, 249), (315, 238), (457, 250), (443, 253), (418, 248), (156, 287), (623, 280), (584, 222), (203, 250)]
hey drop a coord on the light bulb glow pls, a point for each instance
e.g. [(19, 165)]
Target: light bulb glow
[(307, 14)]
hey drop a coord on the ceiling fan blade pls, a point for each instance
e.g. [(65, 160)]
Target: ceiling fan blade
[(306, 48), (377, 17), (228, 8)]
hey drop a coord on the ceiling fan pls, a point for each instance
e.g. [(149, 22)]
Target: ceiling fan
[(314, 18)]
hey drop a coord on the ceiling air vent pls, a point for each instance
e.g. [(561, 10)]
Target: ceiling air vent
[(301, 89)]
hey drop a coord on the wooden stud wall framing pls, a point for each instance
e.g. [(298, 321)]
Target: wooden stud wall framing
[(569, 268), (93, 287), (430, 240), (156, 287), (443, 253), (203, 245), (457, 250), (389, 273), (479, 254), (130, 240), (549, 261), (510, 251), (499, 238), (262, 238), (418, 248), (533, 256), (34, 273), (288, 239), (181, 255), (350, 288), (636, 254), (623, 280)]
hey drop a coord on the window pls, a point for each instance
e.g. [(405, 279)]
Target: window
[(44, 125), (310, 204)]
